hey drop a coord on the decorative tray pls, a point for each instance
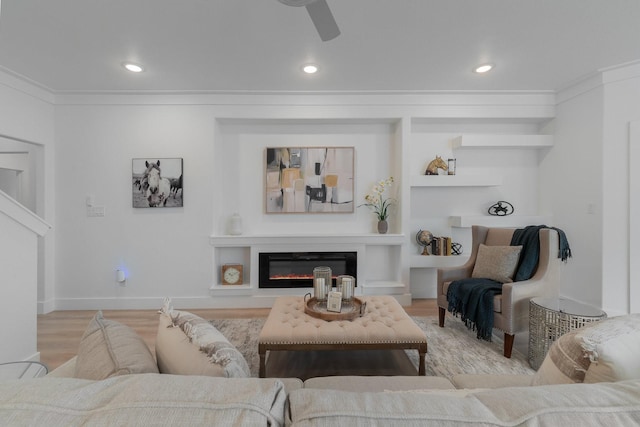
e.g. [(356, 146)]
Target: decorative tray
[(349, 311)]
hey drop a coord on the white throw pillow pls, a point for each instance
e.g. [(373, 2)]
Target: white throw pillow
[(187, 344), (613, 346), (497, 263), (618, 359)]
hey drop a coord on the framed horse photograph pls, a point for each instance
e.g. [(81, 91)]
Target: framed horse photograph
[(157, 183)]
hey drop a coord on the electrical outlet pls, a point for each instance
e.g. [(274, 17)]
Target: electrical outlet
[(95, 211)]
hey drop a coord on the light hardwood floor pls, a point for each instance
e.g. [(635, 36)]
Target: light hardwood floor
[(59, 332)]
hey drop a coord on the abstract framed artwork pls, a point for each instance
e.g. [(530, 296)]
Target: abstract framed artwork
[(157, 183), (309, 180)]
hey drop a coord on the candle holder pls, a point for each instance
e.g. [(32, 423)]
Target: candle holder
[(322, 282), (451, 167), (346, 285)]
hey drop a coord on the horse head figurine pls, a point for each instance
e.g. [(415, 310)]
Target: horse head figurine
[(434, 165)]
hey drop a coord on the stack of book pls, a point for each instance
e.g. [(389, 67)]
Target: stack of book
[(441, 246)]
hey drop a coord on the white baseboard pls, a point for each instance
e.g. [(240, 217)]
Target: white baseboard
[(614, 313), (146, 303), (219, 301), (45, 307), (424, 292)]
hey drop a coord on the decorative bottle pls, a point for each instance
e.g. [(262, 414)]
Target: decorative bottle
[(235, 224)]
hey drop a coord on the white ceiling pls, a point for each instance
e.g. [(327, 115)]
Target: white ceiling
[(260, 45)]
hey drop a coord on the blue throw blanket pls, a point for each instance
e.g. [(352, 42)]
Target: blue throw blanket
[(473, 298), (529, 238)]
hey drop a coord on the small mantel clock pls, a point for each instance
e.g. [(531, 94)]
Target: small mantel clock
[(232, 274)]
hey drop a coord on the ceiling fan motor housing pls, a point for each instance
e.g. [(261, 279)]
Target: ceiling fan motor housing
[(321, 16)]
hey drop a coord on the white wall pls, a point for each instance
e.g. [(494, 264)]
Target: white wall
[(634, 217), (26, 111), (432, 206), (243, 145), (622, 106), (571, 188), (585, 181), (166, 251), (18, 279), (18, 292), (96, 140), (27, 120)]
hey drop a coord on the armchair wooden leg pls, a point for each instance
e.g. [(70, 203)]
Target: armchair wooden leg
[(441, 313), (508, 344)]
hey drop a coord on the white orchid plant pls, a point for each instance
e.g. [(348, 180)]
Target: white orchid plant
[(376, 200)]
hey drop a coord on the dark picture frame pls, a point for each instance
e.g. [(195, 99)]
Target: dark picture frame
[(157, 182)]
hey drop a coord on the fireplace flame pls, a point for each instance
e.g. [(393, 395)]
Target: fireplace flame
[(294, 276)]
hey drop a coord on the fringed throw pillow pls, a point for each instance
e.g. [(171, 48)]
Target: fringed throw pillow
[(187, 344), (612, 345)]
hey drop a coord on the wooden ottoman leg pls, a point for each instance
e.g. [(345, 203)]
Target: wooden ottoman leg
[(422, 351)]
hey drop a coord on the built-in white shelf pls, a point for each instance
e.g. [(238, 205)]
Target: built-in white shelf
[(232, 289), (456, 180), (502, 141), (384, 287), (498, 221), (275, 239), (382, 284), (435, 261)]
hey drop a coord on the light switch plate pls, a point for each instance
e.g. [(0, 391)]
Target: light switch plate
[(95, 211)]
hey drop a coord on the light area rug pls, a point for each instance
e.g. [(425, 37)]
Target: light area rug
[(452, 350)]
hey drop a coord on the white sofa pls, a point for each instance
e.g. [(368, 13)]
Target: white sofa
[(173, 400), (562, 393)]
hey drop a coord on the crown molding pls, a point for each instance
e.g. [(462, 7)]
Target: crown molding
[(25, 85), (629, 70), (603, 76), (387, 98)]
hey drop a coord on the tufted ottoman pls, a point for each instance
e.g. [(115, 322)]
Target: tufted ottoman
[(384, 326)]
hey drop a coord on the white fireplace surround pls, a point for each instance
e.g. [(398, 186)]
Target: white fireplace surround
[(378, 270)]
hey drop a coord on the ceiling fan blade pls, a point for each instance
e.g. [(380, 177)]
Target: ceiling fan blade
[(323, 20)]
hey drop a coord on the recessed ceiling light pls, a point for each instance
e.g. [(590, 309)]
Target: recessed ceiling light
[(134, 68), (310, 69), (483, 68)]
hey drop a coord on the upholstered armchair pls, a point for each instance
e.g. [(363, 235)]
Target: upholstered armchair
[(511, 308)]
